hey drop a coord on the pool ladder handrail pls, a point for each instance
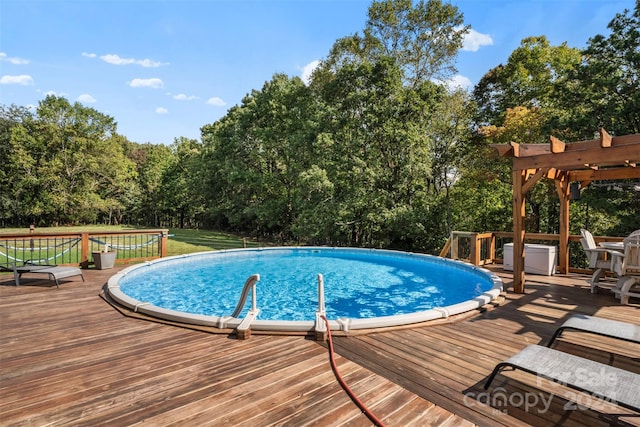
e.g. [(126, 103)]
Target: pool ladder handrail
[(243, 330), (320, 325), (249, 284)]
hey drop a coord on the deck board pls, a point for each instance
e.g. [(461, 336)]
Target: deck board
[(67, 357)]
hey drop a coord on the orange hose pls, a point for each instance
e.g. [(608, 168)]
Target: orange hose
[(344, 385)]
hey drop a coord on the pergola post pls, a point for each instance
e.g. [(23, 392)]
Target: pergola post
[(563, 190), (518, 231)]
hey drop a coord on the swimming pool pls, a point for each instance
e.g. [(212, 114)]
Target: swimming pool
[(360, 288)]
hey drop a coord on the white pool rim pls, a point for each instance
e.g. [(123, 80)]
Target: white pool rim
[(309, 326)]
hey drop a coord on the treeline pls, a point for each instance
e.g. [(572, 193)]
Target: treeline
[(375, 151)]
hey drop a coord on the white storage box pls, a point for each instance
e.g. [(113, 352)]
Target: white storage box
[(538, 259)]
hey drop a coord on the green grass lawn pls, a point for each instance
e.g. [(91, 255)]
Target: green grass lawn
[(183, 241)]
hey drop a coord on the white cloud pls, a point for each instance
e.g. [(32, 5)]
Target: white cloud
[(183, 97), (473, 40), (13, 60), (458, 82), (218, 102), (89, 55), (117, 60), (22, 79), (86, 98), (147, 63), (162, 110), (307, 70), (154, 83), (53, 93)]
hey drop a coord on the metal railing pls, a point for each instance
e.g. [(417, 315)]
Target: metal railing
[(76, 248)]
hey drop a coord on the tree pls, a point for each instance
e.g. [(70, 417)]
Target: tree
[(182, 200), (423, 38), (448, 136), (255, 155), (527, 80), (525, 125), (602, 90), (10, 117), (66, 164), (151, 162)]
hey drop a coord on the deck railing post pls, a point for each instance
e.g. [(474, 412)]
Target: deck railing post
[(454, 245), (492, 248), (164, 238), (475, 250), (84, 250)]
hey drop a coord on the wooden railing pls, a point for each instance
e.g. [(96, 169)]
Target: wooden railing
[(486, 248), (77, 248)]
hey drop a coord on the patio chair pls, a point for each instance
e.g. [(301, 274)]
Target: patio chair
[(627, 266), (569, 370), (53, 272), (599, 326), (600, 259)]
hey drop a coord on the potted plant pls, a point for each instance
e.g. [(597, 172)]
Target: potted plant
[(105, 259)]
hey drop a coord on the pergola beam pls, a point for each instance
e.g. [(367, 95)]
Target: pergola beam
[(605, 174), (505, 150), (602, 156)]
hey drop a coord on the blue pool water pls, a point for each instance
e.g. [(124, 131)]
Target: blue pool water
[(358, 284)]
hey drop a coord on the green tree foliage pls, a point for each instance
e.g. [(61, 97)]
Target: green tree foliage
[(254, 157), (65, 164), (516, 102), (526, 80), (182, 200), (572, 94), (603, 90), (376, 150), (10, 117), (525, 125), (151, 162), (422, 37)]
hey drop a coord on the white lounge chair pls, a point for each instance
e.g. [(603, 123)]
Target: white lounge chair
[(627, 266), (599, 258)]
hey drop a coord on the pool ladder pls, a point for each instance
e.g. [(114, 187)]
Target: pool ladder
[(243, 331)]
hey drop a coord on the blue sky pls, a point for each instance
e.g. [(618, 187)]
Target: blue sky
[(163, 69)]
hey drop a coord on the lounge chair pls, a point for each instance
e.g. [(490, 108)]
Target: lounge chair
[(53, 272), (577, 373), (600, 259), (599, 326)]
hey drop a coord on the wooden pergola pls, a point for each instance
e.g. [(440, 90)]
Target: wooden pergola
[(606, 158)]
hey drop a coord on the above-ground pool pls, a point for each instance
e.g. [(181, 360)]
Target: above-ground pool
[(357, 288)]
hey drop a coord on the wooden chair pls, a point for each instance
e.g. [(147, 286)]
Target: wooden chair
[(599, 258), (627, 266)]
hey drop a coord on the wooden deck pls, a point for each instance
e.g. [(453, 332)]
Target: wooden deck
[(69, 358)]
